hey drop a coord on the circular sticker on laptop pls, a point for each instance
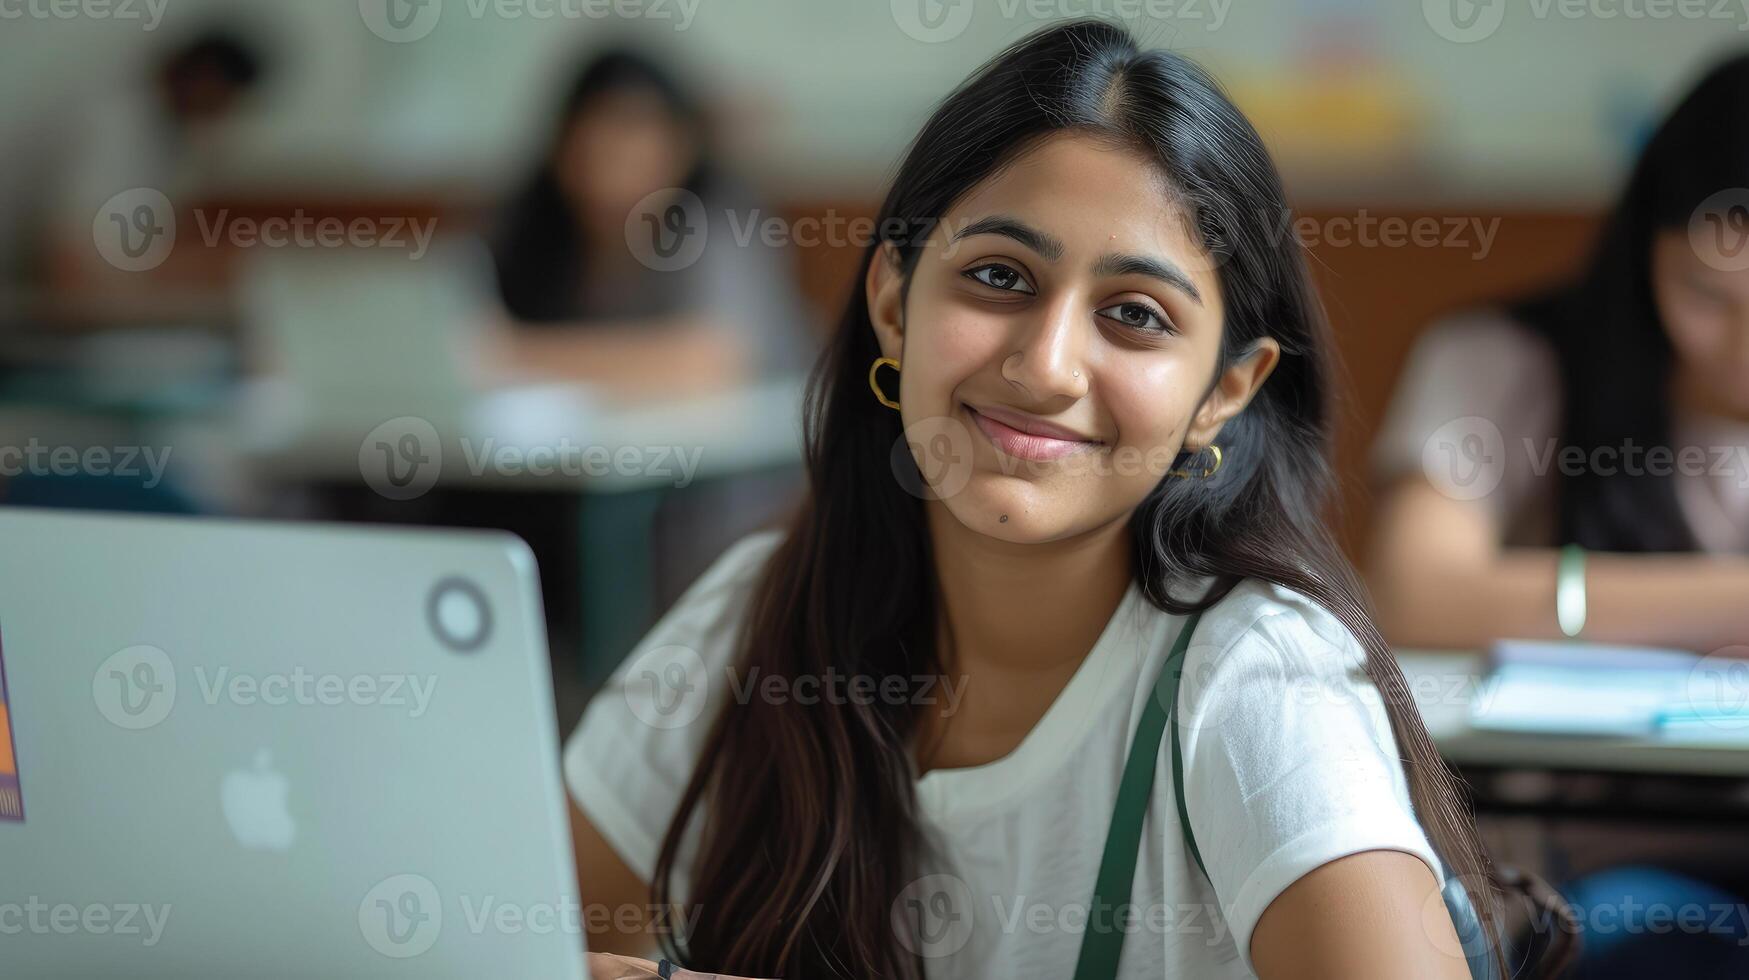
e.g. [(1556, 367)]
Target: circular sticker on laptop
[(459, 614)]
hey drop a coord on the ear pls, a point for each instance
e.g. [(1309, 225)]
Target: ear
[(1233, 390), (884, 286)]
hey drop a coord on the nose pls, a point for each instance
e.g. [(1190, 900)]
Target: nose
[(1049, 360)]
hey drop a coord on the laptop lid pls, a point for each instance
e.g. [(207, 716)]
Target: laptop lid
[(272, 750), (361, 332)]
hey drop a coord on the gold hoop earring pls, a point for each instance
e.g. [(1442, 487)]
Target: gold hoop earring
[(1205, 474), (875, 386)]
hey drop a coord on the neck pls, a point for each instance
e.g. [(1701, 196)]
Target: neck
[(1026, 606)]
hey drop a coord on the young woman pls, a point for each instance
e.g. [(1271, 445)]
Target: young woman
[(1078, 405), (629, 143), (1638, 371)]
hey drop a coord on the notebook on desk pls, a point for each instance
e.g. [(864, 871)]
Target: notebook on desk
[(1572, 688)]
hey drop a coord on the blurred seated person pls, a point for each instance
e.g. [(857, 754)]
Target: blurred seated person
[(1621, 400), (591, 301), (1642, 358), (172, 135)]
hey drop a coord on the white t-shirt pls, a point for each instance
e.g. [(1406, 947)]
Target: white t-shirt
[(1289, 763)]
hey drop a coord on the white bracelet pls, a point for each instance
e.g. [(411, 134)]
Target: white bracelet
[(1570, 590)]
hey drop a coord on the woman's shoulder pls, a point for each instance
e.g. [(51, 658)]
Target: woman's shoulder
[(675, 674), (741, 561), (1489, 338), (1480, 373), (1289, 760), (628, 761), (1263, 623), (700, 629), (727, 582)]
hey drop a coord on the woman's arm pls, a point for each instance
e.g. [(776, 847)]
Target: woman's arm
[(1376, 914), (616, 902), (1441, 579), (646, 357), (616, 911)]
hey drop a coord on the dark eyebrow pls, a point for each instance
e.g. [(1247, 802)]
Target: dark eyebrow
[(1108, 265), (1141, 265), (1045, 245)]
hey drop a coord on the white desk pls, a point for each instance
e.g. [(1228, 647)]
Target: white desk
[(1446, 684), (288, 434)]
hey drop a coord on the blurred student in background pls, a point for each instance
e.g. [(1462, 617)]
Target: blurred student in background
[(588, 301), (1645, 351), (169, 134), (585, 302)]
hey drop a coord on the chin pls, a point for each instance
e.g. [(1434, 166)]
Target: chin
[(1032, 517)]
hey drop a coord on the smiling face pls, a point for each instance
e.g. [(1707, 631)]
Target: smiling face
[(1059, 343)]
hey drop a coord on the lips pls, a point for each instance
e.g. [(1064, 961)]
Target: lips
[(1027, 438)]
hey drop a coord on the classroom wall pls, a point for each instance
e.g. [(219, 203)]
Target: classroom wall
[(825, 92)]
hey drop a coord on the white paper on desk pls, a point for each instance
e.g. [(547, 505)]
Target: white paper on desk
[(1590, 657), (1730, 732), (1580, 688), (1711, 714), (1558, 700), (549, 417)]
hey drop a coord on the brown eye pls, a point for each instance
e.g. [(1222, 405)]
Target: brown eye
[(1141, 316), (999, 276)]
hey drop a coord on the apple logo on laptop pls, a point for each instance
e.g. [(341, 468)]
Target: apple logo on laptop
[(254, 801)]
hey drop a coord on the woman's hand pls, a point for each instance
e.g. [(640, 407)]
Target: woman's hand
[(606, 966)]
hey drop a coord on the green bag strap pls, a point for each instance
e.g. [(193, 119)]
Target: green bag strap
[(1102, 942), (1178, 783)]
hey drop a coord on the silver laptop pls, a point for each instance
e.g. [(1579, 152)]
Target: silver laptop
[(370, 331), (237, 749)]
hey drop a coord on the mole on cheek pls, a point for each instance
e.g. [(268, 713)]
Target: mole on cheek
[(1004, 519)]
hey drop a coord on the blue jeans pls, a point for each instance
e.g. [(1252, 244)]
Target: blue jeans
[(1645, 921)]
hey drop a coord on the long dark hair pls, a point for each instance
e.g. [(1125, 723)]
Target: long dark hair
[(800, 860), (1614, 353), (538, 250)]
